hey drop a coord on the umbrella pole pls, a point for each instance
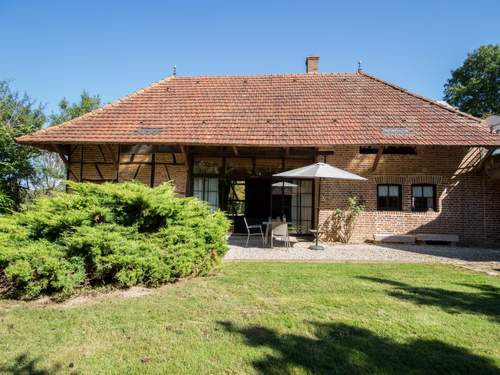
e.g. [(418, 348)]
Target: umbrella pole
[(317, 246)]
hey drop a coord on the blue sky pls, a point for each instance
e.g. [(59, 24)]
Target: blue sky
[(53, 49)]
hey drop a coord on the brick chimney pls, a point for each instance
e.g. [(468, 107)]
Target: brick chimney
[(312, 63)]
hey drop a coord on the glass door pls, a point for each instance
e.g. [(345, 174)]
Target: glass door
[(294, 200)]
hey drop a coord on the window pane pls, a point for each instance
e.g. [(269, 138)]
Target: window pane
[(394, 191), (417, 191), (383, 190), (430, 203), (307, 200), (213, 199), (213, 184), (428, 192), (198, 184), (420, 204)]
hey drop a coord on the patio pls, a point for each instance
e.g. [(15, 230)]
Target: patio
[(474, 258)]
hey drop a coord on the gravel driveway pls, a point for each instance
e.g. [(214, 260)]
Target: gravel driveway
[(478, 259)]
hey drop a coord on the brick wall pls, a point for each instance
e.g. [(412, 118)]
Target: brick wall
[(468, 204)]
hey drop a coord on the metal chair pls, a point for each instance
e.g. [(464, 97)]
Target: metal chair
[(255, 233), (280, 232)]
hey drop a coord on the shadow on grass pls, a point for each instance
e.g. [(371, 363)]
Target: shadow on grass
[(337, 348), (23, 365), (485, 301)]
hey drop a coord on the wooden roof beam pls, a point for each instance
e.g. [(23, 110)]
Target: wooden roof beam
[(57, 148), (377, 158)]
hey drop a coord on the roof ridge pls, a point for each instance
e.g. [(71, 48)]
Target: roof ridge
[(397, 87), (271, 75), (109, 105)]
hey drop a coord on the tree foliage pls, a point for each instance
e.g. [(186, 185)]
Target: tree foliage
[(68, 111), (50, 168), (19, 115), (475, 86)]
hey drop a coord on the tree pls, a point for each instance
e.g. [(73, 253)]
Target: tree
[(50, 168), (19, 115), (475, 86), (69, 111)]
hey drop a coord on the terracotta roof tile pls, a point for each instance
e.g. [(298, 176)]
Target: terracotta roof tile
[(280, 110)]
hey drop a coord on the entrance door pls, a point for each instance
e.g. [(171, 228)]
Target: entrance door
[(257, 199)]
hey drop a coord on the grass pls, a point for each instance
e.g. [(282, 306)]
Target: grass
[(270, 318)]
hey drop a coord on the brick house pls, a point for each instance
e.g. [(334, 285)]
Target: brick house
[(221, 138)]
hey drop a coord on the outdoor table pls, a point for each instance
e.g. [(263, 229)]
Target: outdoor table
[(269, 232)]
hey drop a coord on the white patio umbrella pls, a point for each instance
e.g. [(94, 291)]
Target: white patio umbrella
[(285, 184), (317, 171)]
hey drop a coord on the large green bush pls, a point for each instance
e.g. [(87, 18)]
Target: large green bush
[(120, 234)]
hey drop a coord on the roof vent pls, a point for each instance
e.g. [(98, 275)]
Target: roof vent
[(312, 63), (397, 132), (146, 131)]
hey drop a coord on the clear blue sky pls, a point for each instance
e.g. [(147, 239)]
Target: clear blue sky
[(53, 49)]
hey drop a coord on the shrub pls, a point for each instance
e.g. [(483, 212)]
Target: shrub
[(119, 234), (340, 225)]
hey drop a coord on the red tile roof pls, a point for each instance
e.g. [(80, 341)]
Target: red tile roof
[(274, 110)]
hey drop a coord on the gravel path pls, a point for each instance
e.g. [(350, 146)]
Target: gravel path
[(479, 259)]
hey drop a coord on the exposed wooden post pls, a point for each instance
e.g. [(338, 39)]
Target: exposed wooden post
[(377, 158), (235, 150), (153, 165), (184, 151), (81, 163), (185, 154), (118, 156)]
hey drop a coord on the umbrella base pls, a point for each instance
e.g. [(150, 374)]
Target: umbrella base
[(316, 247)]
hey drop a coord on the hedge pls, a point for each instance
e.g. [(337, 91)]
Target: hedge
[(119, 234)]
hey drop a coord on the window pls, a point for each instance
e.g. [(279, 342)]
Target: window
[(389, 198), (207, 189), (423, 198)]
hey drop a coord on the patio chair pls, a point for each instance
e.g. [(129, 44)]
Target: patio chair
[(257, 231), (280, 232)]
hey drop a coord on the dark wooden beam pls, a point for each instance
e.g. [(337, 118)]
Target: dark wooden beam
[(72, 149), (102, 152), (377, 158), (98, 170), (111, 153), (137, 171), (62, 155), (81, 163), (153, 170), (184, 151), (168, 173), (118, 158)]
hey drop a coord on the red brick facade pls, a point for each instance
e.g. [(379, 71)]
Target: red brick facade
[(468, 204)]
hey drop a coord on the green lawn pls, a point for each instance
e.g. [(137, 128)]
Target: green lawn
[(270, 318)]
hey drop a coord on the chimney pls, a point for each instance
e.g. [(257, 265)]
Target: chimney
[(312, 63)]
